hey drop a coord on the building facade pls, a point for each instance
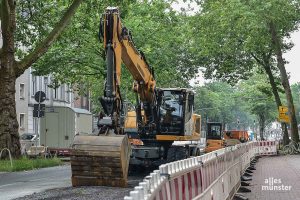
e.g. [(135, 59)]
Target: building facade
[(26, 87)]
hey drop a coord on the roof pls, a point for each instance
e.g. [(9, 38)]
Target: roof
[(81, 111)]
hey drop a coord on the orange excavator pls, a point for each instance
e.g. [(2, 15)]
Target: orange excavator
[(161, 116)]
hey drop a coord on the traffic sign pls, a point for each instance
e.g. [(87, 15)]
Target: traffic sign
[(283, 114), (38, 110), (283, 109), (40, 96)]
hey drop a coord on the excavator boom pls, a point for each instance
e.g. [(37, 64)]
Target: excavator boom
[(162, 117)]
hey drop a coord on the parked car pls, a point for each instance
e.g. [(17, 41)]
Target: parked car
[(38, 151), (27, 140)]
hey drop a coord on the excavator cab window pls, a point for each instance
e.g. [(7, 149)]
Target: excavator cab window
[(171, 112), (191, 101), (214, 131)]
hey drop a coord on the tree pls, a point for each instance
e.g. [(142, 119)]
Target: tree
[(265, 62), (296, 93), (238, 33), (219, 102), (11, 67), (156, 30), (258, 96)]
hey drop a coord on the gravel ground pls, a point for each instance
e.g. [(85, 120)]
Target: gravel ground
[(87, 192), (81, 193)]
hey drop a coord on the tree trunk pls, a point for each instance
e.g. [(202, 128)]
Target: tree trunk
[(261, 126), (10, 69), (277, 99), (285, 82), (9, 136)]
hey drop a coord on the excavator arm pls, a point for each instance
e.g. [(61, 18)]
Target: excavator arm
[(103, 159), (119, 47)]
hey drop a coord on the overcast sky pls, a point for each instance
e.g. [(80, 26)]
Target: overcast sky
[(293, 57)]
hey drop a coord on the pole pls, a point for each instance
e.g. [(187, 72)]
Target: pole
[(37, 136), (38, 130)]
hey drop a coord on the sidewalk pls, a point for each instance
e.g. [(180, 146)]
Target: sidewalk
[(276, 178)]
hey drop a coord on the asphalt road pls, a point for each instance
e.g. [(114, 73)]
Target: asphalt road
[(19, 184), (55, 183)]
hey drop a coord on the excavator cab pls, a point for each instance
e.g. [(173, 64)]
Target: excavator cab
[(175, 110), (214, 136), (214, 131)]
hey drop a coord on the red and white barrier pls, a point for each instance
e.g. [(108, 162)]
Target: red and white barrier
[(215, 175), (267, 148)]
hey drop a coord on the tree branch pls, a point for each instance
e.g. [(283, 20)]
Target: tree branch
[(257, 59), (8, 25), (1, 11), (42, 48), (5, 21)]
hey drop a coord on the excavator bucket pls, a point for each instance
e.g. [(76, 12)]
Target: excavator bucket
[(100, 160)]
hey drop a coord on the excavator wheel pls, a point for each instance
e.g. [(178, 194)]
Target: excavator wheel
[(176, 153), (100, 160)]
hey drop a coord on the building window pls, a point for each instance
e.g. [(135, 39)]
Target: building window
[(40, 80), (67, 93), (34, 85), (55, 94), (62, 92), (22, 121), (22, 91), (46, 89)]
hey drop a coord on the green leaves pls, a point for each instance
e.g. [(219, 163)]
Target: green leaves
[(78, 57), (230, 32), (259, 98), (220, 102)]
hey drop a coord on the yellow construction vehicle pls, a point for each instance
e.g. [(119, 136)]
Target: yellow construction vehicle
[(216, 138), (161, 117)]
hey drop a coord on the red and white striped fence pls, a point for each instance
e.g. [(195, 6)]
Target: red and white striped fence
[(215, 175), (268, 147)]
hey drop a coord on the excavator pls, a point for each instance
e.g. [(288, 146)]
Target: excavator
[(161, 116), (214, 137), (217, 138)]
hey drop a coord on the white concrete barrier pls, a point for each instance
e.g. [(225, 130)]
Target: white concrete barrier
[(215, 175)]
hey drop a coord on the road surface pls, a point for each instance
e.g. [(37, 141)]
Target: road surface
[(19, 184), (55, 183)]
